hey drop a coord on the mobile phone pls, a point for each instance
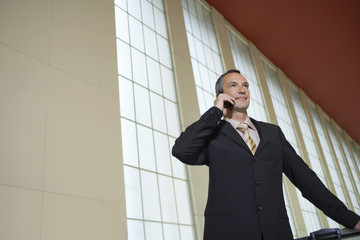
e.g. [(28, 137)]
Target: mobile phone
[(228, 105)]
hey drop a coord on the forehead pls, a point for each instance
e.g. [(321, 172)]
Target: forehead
[(234, 77)]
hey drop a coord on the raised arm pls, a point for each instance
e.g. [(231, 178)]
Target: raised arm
[(190, 146)]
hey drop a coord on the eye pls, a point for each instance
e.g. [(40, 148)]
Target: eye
[(246, 85)]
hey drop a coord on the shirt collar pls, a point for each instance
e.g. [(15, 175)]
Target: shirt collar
[(235, 123)]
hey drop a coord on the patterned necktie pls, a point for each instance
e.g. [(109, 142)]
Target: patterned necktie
[(243, 127)]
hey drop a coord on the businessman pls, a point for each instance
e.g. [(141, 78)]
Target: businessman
[(246, 159)]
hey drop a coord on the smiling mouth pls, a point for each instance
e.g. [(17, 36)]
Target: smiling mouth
[(241, 98)]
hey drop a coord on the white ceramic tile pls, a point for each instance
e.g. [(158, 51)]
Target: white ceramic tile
[(74, 38), (113, 172), (72, 159), (114, 221), (71, 218), (20, 213), (107, 64), (25, 26), (22, 107)]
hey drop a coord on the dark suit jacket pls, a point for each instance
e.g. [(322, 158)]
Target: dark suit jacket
[(245, 199)]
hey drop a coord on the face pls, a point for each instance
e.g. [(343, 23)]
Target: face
[(236, 86)]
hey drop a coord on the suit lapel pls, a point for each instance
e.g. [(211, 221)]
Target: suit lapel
[(264, 136), (229, 131)]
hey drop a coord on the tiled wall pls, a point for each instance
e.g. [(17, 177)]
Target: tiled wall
[(60, 148)]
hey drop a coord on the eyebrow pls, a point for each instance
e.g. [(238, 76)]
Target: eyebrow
[(244, 83), (233, 82)]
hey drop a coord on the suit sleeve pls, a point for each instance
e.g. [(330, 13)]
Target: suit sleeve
[(313, 189), (190, 146)]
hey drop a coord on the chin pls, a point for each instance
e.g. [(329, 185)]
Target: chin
[(240, 108)]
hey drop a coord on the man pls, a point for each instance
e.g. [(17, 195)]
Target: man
[(246, 162)]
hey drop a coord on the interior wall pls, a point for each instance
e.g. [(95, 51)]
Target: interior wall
[(61, 173)]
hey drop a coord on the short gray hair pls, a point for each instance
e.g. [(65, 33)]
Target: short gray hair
[(220, 82)]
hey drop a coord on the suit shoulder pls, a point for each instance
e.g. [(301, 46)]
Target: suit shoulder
[(265, 124)]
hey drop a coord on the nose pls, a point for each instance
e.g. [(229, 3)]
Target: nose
[(241, 89)]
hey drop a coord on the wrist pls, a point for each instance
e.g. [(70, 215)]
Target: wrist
[(357, 226)]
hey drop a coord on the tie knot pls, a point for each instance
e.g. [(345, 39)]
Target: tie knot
[(242, 127)]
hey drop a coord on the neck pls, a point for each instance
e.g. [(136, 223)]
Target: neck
[(239, 116)]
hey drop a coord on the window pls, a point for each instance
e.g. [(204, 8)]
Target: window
[(282, 114), (204, 51), (343, 169), (334, 173), (244, 63), (156, 186), (310, 146), (352, 171)]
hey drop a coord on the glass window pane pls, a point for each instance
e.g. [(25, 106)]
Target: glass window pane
[(209, 58), (205, 78), (215, 48), (147, 14), (201, 99), (191, 5), (196, 71), (162, 153), (160, 23), (205, 34), (132, 193), (150, 43), (171, 231), (209, 100), (126, 97), (122, 30), (167, 197), (135, 230), (121, 3), (200, 51), (158, 112), (183, 201), (153, 231), (136, 34), (168, 83), (139, 74), (187, 232), (134, 8), (159, 4), (150, 196), (154, 75), (172, 118), (142, 105), (184, 4), (178, 167), (129, 147), (146, 148), (123, 59), (164, 51), (187, 21)]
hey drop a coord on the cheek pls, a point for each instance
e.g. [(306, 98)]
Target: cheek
[(230, 91)]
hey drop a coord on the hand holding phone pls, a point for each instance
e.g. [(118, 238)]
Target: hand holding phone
[(228, 105)]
